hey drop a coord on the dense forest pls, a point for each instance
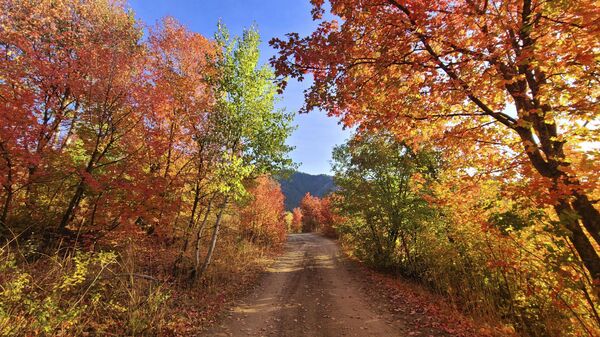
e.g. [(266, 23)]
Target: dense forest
[(141, 168)]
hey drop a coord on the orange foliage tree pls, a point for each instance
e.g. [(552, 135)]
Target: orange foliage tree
[(69, 130), (263, 217), (329, 216), (178, 107), (317, 214), (296, 226), (311, 212), (508, 88)]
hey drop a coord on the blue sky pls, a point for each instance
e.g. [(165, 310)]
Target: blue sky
[(317, 134)]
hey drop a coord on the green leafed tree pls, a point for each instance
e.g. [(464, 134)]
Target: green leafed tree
[(382, 187), (250, 130)]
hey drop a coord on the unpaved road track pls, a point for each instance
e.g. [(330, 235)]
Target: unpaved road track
[(308, 292)]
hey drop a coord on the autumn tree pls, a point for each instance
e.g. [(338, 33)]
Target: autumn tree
[(180, 99), (317, 214), (296, 226), (508, 88), (109, 131), (72, 132), (263, 215), (330, 217), (310, 207)]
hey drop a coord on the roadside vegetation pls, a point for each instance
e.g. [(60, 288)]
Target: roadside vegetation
[(474, 166), (135, 166)]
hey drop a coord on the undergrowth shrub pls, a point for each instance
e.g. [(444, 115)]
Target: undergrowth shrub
[(52, 296), (77, 293)]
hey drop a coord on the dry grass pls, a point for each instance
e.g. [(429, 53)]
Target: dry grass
[(128, 291)]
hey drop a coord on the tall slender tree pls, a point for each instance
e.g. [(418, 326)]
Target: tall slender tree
[(249, 128)]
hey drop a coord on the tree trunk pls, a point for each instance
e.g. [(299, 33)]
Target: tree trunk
[(569, 208), (199, 239), (79, 191), (588, 214), (213, 240), (170, 150), (94, 210), (5, 208), (8, 187), (188, 228), (69, 212), (581, 242)]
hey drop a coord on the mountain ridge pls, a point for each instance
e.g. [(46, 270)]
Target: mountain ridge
[(299, 183)]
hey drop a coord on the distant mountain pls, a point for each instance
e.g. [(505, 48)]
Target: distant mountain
[(295, 187)]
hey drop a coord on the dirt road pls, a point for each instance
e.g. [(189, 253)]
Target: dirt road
[(308, 292)]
